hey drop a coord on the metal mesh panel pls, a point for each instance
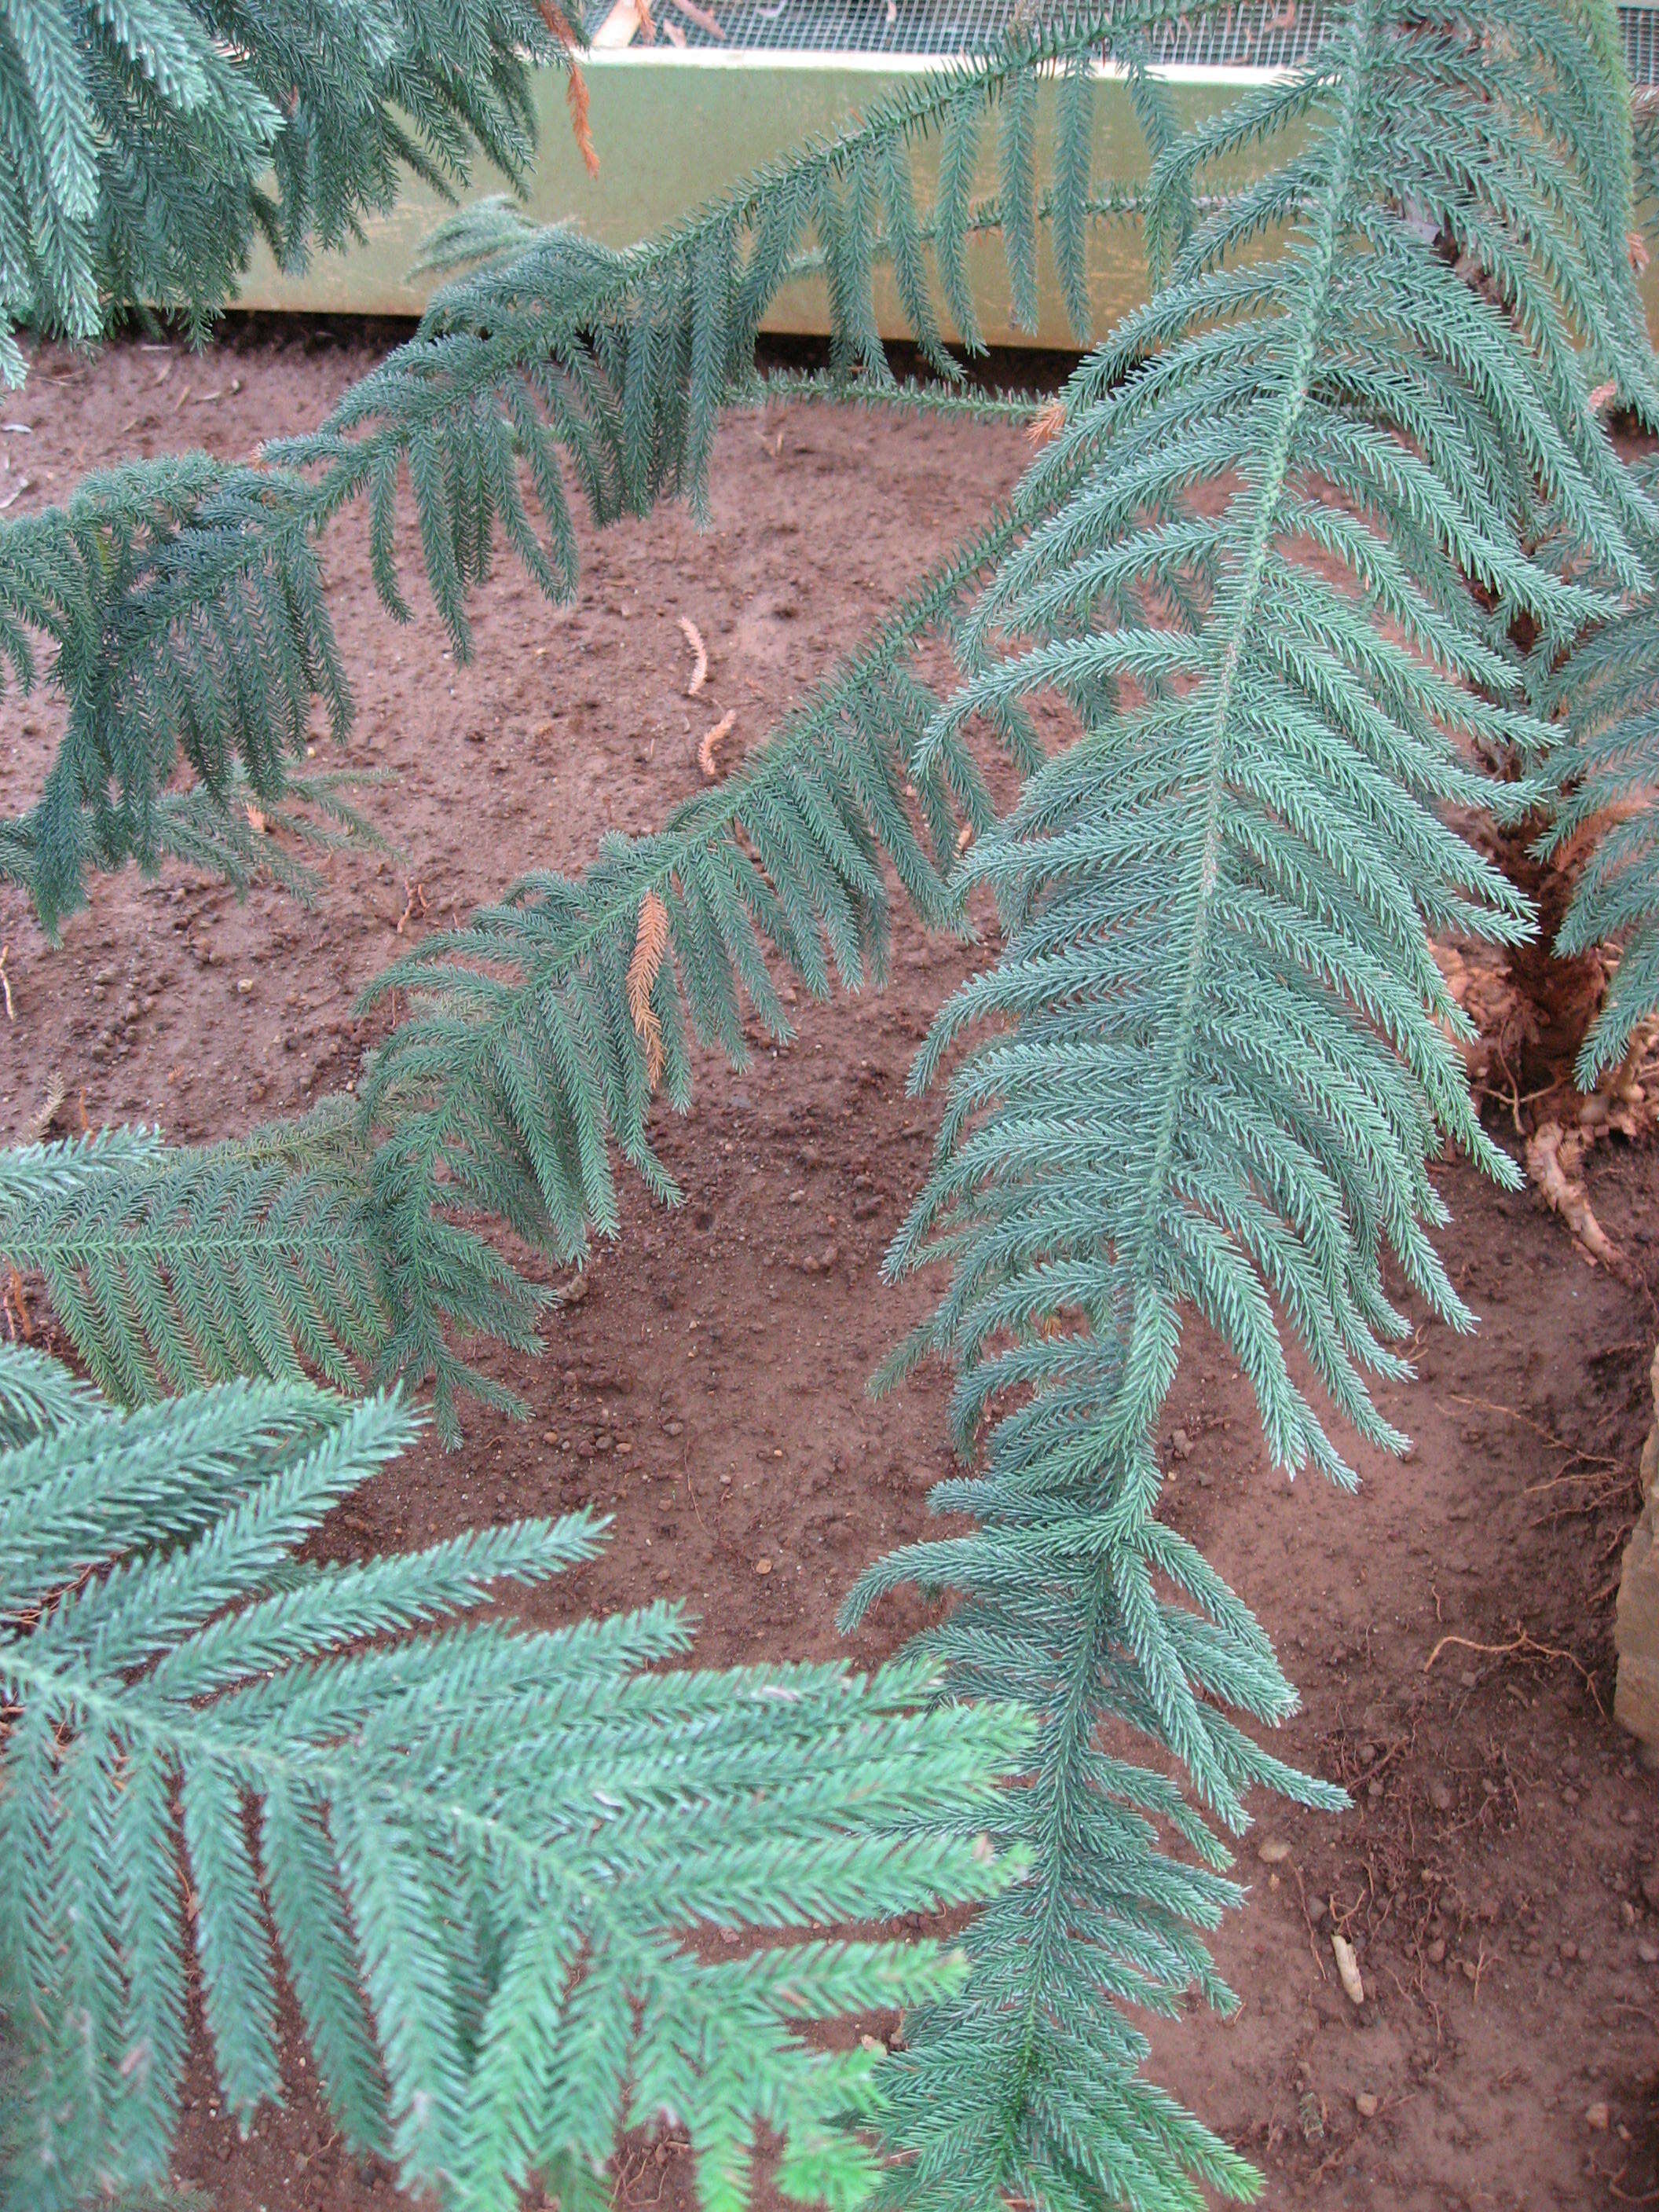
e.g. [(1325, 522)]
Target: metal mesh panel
[(1641, 44), (1277, 35)]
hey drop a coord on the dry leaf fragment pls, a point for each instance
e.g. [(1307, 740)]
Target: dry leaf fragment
[(693, 637), (700, 17), (56, 1093), (1047, 422), (575, 97), (1347, 1968), (711, 741), (256, 820), (575, 87), (650, 945)]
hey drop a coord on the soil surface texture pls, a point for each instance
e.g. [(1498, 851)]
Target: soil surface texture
[(1448, 1626)]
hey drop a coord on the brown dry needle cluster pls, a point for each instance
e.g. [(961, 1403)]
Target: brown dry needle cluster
[(650, 945)]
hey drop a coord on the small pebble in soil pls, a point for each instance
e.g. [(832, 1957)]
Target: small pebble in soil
[(763, 1566), (1366, 2104), (1597, 2115), (1273, 1851), (1347, 1968)]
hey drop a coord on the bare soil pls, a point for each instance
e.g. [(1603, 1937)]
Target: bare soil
[(1499, 1874)]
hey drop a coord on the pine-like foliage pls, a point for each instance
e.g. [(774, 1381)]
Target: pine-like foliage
[(476, 1853), (1222, 1058), (169, 1266), (530, 1048), (145, 146), (184, 604), (189, 593), (1605, 775)]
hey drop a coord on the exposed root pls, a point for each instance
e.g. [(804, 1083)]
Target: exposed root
[(1554, 1156), (1521, 1646)]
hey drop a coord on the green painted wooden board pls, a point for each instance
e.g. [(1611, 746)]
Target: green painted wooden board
[(674, 127)]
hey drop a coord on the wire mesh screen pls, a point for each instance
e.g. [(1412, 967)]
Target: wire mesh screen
[(1276, 36)]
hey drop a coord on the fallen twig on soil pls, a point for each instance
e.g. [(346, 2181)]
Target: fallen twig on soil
[(693, 637), (711, 741)]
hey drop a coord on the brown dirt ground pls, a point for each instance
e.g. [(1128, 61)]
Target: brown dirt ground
[(708, 1391)]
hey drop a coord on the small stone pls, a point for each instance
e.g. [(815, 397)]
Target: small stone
[(1597, 2115), (1626, 1913), (1647, 1953), (1470, 1679), (1568, 1795), (673, 1428), (1181, 1444), (245, 984), (1436, 1953), (1273, 1851), (1440, 1797), (1471, 1971), (549, 1436), (1366, 2104), (1568, 1949), (1650, 1887), (763, 1566)]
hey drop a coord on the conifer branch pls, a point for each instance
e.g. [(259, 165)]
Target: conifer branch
[(145, 149), (476, 1114), (479, 1852), (185, 599), (1221, 1055), (1604, 782)]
